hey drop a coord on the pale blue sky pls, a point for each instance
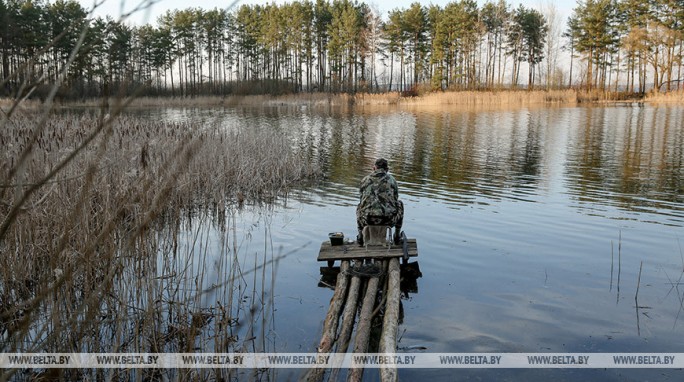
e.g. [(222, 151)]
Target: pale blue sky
[(114, 8)]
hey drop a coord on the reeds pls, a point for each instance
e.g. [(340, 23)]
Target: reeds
[(454, 98), (112, 253), (476, 98), (469, 99), (668, 97)]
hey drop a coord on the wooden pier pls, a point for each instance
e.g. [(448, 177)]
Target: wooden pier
[(368, 275)]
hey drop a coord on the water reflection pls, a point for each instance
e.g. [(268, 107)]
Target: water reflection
[(630, 158), (626, 156)]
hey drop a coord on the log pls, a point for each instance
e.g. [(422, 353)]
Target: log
[(364, 327), (349, 315), (331, 321), (347, 324), (388, 338)]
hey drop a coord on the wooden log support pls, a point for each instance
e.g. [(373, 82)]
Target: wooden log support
[(339, 322), (364, 327), (349, 315), (331, 321), (388, 338), (347, 324)]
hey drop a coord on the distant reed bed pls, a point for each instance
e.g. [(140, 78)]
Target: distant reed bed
[(473, 98), (668, 97), (506, 98), (105, 237)]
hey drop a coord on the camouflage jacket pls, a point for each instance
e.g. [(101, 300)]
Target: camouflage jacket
[(379, 194)]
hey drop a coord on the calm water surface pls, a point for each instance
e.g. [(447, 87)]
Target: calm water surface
[(532, 226)]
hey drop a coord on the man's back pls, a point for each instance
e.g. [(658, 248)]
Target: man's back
[(379, 201), (379, 194)]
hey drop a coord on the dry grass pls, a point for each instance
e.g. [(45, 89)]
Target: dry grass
[(448, 98), (318, 100), (110, 253), (476, 98), (144, 102), (225, 101), (604, 96), (669, 97)]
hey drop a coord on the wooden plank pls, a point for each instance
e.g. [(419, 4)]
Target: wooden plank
[(354, 251)]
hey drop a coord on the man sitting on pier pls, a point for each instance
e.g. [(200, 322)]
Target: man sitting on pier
[(379, 201)]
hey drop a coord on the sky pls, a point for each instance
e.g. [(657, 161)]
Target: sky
[(115, 8)]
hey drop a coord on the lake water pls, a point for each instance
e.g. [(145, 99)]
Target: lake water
[(532, 228)]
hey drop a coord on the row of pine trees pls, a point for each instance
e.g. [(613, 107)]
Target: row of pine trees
[(628, 45), (340, 46)]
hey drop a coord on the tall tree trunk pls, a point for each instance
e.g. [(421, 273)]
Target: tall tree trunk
[(681, 62), (670, 64), (401, 71), (617, 71), (173, 91), (656, 75), (514, 72), (530, 77), (572, 60), (494, 61), (391, 70), (502, 61), (590, 68)]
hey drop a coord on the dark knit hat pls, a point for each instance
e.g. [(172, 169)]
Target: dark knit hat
[(381, 163)]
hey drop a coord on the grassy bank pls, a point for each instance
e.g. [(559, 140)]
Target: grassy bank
[(109, 254)]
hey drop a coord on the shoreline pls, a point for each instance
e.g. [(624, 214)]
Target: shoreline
[(465, 99)]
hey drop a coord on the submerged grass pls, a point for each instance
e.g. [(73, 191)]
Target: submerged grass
[(110, 251)]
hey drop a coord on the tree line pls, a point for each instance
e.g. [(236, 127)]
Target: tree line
[(337, 46), (631, 45)]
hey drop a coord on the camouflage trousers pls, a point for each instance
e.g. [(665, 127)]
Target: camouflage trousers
[(396, 221)]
